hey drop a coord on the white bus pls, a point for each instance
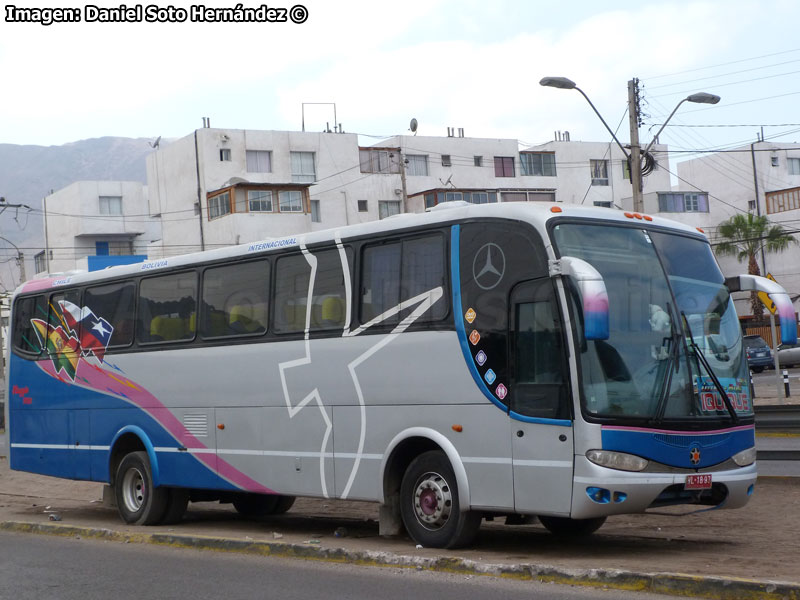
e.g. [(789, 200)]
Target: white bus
[(504, 359)]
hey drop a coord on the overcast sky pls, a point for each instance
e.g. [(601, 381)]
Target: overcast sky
[(447, 63)]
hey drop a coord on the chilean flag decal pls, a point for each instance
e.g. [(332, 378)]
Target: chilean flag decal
[(94, 332)]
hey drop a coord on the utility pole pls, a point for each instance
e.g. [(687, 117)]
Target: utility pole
[(635, 156)]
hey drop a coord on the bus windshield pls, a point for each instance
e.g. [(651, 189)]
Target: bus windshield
[(673, 328)]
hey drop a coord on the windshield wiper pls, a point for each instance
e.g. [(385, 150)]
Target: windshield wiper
[(672, 365), (717, 384)]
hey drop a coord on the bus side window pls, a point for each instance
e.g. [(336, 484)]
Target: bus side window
[(114, 303), (25, 338), (167, 308), (396, 272), (235, 299)]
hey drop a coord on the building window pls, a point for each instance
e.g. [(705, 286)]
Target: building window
[(480, 197), (751, 205), (478, 161), (794, 166), (446, 162), (219, 205), (603, 203), (225, 155), (453, 196), (303, 167), (258, 161), (110, 205), (387, 208), (101, 248), (316, 217), (541, 196), (362, 206), (504, 166), (782, 200), (514, 196), (417, 164), (599, 169), (774, 161), (538, 163), (40, 262), (682, 202), (430, 200), (626, 170), (379, 161), (290, 201), (259, 200)]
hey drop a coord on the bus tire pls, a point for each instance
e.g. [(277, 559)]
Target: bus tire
[(176, 506), (284, 504), (139, 502), (262, 505), (429, 504), (572, 527)]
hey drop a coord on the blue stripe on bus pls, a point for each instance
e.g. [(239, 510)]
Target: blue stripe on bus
[(60, 414), (455, 270), (674, 448), (455, 273)]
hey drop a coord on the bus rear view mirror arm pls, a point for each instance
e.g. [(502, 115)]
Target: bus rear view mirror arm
[(783, 304), (592, 290)]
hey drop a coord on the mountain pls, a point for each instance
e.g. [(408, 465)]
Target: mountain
[(29, 173)]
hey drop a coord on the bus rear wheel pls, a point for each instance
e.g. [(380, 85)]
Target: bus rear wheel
[(429, 504), (572, 527), (139, 502)]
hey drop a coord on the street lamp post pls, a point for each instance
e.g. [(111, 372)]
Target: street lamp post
[(634, 156)]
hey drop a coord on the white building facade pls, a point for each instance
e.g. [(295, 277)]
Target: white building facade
[(89, 220)]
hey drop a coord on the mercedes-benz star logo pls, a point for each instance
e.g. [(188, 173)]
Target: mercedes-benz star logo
[(488, 266)]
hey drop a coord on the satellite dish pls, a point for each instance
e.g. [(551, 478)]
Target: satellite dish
[(413, 126)]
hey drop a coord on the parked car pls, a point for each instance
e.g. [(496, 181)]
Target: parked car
[(789, 355), (759, 356)]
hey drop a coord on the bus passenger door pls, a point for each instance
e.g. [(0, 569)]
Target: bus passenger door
[(541, 421)]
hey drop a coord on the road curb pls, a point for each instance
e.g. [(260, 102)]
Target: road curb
[(676, 584)]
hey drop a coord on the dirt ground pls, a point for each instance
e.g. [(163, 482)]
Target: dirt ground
[(760, 541)]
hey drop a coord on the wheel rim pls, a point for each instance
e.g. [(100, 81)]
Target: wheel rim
[(133, 490), (433, 501)]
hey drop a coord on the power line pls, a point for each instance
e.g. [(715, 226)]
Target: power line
[(733, 62)]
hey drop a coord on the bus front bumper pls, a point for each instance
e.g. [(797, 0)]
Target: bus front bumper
[(598, 491)]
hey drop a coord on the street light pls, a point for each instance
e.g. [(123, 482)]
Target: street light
[(563, 83), (698, 98), (634, 156)]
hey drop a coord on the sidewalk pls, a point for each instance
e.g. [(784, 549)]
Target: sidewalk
[(702, 555)]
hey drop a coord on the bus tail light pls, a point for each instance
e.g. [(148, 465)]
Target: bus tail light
[(617, 460), (745, 457)]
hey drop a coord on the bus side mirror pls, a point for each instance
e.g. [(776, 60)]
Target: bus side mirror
[(783, 305), (592, 290)]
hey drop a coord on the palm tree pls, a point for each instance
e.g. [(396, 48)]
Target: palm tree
[(744, 236)]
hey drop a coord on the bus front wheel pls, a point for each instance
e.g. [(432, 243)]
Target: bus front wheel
[(139, 502), (429, 504), (572, 527)]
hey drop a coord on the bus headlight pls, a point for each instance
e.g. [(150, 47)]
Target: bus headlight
[(617, 460), (745, 457)]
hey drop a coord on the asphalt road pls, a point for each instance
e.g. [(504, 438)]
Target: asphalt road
[(44, 567)]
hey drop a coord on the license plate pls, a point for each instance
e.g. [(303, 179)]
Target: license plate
[(701, 481)]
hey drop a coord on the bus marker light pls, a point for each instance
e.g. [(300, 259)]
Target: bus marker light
[(598, 495), (629, 215), (647, 217), (699, 229), (637, 216), (620, 497), (555, 209), (458, 428), (221, 426)]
